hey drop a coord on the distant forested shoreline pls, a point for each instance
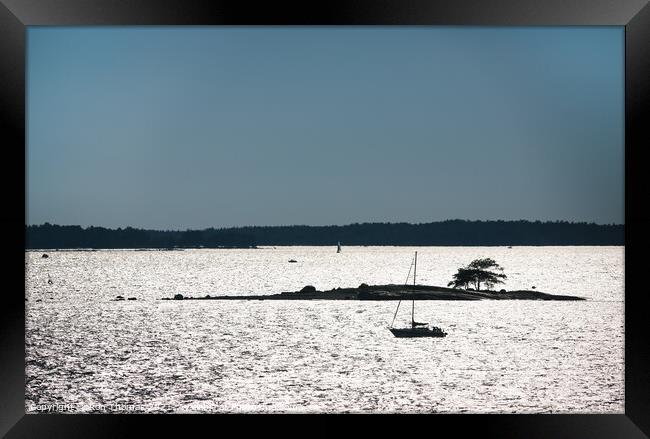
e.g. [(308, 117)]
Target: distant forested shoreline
[(443, 233)]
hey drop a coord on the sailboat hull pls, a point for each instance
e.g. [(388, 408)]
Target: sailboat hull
[(416, 332)]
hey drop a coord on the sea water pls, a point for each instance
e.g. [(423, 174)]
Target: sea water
[(87, 353)]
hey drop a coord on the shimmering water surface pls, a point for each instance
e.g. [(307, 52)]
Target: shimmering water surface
[(87, 353)]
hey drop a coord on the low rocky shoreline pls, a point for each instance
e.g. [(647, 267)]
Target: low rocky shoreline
[(391, 292)]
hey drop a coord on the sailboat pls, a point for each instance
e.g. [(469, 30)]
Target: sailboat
[(417, 329), (338, 248)]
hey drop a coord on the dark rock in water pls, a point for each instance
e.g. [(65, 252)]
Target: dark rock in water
[(502, 291), (363, 286), (292, 260), (533, 287), (119, 298), (133, 298), (45, 255), (394, 292)]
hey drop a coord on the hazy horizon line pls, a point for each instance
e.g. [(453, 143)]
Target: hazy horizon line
[(328, 225)]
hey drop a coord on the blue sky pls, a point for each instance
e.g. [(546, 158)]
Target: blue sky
[(193, 127)]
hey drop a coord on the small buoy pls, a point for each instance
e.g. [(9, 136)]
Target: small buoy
[(50, 282), (533, 287)]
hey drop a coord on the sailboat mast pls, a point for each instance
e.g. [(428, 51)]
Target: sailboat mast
[(413, 314), (415, 269)]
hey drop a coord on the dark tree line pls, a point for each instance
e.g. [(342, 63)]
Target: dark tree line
[(444, 233), (54, 236)]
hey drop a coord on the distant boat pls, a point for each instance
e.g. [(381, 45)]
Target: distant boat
[(338, 249), (292, 260), (417, 329)]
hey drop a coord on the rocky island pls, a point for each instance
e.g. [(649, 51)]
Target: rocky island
[(391, 292)]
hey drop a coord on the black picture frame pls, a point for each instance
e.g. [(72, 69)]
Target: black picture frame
[(16, 15)]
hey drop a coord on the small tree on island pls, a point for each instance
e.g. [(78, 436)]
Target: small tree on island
[(478, 272)]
